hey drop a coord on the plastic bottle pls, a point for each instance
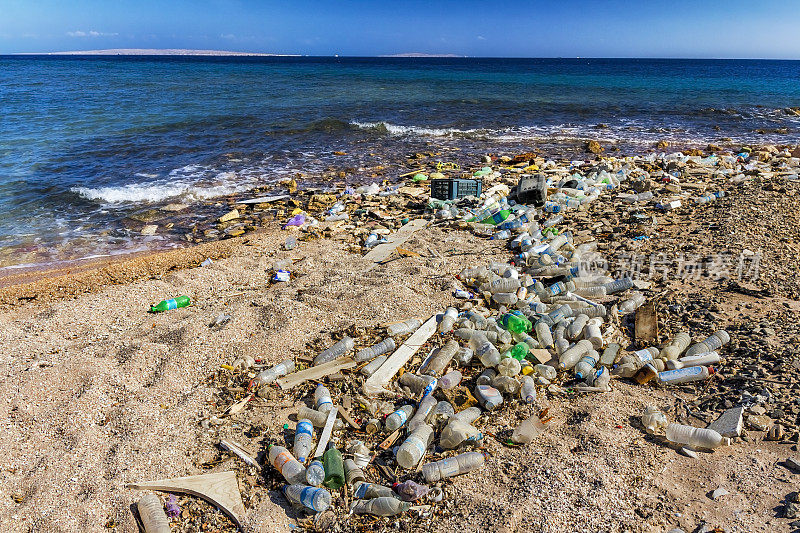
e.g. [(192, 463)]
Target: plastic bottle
[(386, 345), (438, 363), (401, 328), (413, 448), (151, 511), (374, 365), (714, 342), (450, 380), (448, 319), (695, 437), (353, 473), (529, 429), (486, 377), (703, 359), (312, 498), (505, 298), (317, 419), (685, 375), (398, 418), (322, 399), (544, 335), (468, 415), (369, 491), (619, 285), (575, 330), (631, 304), (571, 356), (410, 490), (528, 390), (334, 468), (546, 371), (168, 305), (592, 291), (285, 463), (489, 397), (303, 435), (269, 375), (424, 410), (335, 351), (442, 412), (610, 354), (585, 366), (417, 384), (382, 506), (315, 473), (506, 384), (509, 367), (653, 420), (485, 350), (676, 346), (631, 363), (593, 333), (456, 432), (453, 466)]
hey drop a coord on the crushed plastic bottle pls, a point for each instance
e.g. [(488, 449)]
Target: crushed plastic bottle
[(410, 490), (312, 498), (371, 352), (448, 319), (353, 473), (715, 341), (676, 347), (402, 328), (382, 506), (458, 431), (453, 466), (653, 420), (369, 491), (438, 363), (335, 351), (528, 429), (450, 380), (426, 407), (528, 390)]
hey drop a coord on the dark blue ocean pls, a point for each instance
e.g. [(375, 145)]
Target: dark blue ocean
[(87, 141)]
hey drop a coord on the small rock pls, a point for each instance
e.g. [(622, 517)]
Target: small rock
[(793, 463), (594, 147), (688, 452), (759, 422), (758, 410), (729, 423), (719, 493), (791, 510), (231, 215), (149, 229), (776, 432)]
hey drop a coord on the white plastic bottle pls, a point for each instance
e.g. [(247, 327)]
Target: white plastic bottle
[(489, 397), (413, 448), (335, 351), (528, 390), (303, 435), (269, 375), (450, 380), (653, 419), (448, 319), (703, 359), (322, 399), (285, 463), (398, 418), (714, 342), (313, 498), (685, 375), (528, 429), (424, 410), (456, 432), (695, 437), (593, 333), (572, 355), (317, 419), (401, 328), (677, 345), (453, 466), (315, 473), (367, 354)]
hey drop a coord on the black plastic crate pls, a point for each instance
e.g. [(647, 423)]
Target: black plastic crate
[(532, 190), (455, 188)]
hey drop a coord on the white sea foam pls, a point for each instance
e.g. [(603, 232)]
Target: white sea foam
[(394, 129)]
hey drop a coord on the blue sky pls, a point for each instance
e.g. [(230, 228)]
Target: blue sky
[(566, 28)]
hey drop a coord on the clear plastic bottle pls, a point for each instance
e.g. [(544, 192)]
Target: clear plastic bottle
[(546, 371), (631, 304), (528, 390), (382, 506), (315, 473), (401, 328), (312, 498), (450, 380), (438, 363), (485, 350), (505, 298), (501, 285), (506, 384), (353, 473), (424, 410), (285, 463), (303, 435), (317, 419), (585, 366), (714, 342), (509, 367), (676, 346), (373, 366), (619, 285), (575, 330), (592, 291), (571, 356), (413, 448), (453, 466), (371, 352), (269, 375), (489, 397), (631, 363), (464, 356), (476, 318), (416, 383), (322, 399), (441, 413), (527, 339), (592, 311), (528, 429), (703, 359), (448, 319), (335, 351), (368, 491), (695, 437), (468, 415), (653, 420), (398, 418), (544, 335), (456, 432), (151, 511), (593, 333), (486, 377)]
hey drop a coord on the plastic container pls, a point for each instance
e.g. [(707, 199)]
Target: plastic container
[(426, 407), (619, 285), (268, 376), (315, 473), (714, 342), (367, 354), (369, 491), (585, 366), (468, 415), (317, 419), (372, 367), (322, 399), (631, 304), (676, 346), (312, 498), (528, 390), (285, 463), (402, 328), (464, 356), (571, 356), (701, 359), (448, 319), (544, 335), (489, 397), (353, 473), (398, 419), (335, 351), (695, 437), (575, 330), (169, 305), (485, 350), (528, 429), (453, 466), (442, 412), (593, 333), (441, 359), (685, 375), (382, 506), (506, 384), (450, 380), (410, 490), (303, 435), (653, 420), (413, 448), (509, 367), (456, 432)]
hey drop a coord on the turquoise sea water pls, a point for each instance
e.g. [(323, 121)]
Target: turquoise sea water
[(86, 141)]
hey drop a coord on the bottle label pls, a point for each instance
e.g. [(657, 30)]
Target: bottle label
[(428, 390), (644, 356), (403, 416), (681, 373), (361, 491), (323, 401), (172, 304), (281, 459), (304, 428)]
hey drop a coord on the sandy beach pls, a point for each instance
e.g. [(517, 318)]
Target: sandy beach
[(99, 393)]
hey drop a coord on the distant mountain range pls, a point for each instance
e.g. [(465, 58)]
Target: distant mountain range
[(156, 52), (417, 54)]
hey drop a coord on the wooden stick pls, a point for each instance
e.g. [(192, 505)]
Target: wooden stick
[(316, 372)]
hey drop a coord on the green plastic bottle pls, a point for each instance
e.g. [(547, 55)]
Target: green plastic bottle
[(334, 468), (497, 218), (173, 303), (516, 323), (519, 351)]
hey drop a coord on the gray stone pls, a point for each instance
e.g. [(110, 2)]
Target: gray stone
[(729, 423), (793, 463), (792, 510)]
